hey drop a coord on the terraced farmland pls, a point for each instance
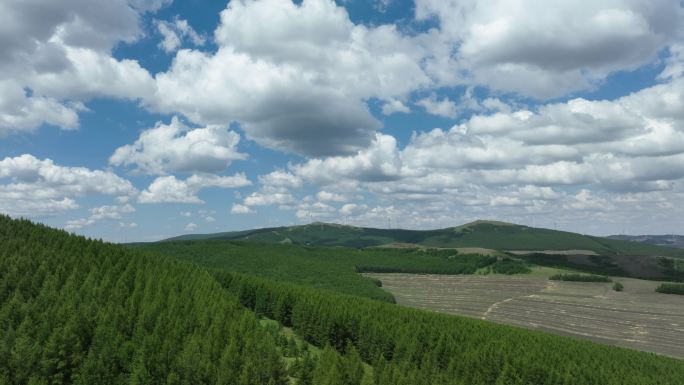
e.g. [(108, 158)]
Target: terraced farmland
[(636, 318)]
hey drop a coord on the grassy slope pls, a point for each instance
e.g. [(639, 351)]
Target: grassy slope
[(493, 235), (322, 267)]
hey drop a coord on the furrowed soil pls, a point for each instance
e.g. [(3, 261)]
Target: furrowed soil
[(636, 318)]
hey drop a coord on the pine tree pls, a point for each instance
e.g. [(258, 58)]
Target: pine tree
[(352, 366), (304, 369), (329, 370)]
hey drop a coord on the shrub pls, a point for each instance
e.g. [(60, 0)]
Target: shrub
[(671, 288), (509, 266), (580, 278), (618, 286)]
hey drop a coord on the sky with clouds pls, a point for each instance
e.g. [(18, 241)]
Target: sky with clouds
[(135, 120)]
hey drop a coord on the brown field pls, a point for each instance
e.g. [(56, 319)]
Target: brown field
[(636, 318), (461, 250), (554, 252)]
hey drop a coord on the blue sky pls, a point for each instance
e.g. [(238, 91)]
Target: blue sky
[(135, 120)]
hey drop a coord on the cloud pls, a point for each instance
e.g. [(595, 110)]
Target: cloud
[(442, 107), (280, 179), (33, 187), (274, 189), (625, 143), (352, 209), (285, 110), (674, 63), (315, 211), (55, 59), (327, 196), (14, 204), (110, 212), (544, 50), (394, 105), (170, 39), (94, 24), (191, 227), (101, 213), (379, 162), (207, 215), (298, 76), (176, 31), (178, 148), (168, 189), (261, 198), (240, 209), (27, 170), (647, 122), (301, 77), (454, 149), (560, 159), (19, 113), (295, 76), (93, 74), (382, 5)]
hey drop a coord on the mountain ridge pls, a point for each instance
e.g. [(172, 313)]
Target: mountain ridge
[(489, 234), (667, 240)]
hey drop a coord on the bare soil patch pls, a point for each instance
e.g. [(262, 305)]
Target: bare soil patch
[(637, 318), (553, 252)]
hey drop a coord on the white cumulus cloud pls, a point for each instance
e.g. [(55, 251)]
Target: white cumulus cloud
[(31, 186), (240, 209), (169, 189), (174, 147), (544, 49), (58, 58), (295, 76), (176, 31), (102, 213)]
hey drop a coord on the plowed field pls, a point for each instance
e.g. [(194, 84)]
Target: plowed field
[(636, 318)]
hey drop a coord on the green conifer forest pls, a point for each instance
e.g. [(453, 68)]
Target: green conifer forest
[(80, 311)]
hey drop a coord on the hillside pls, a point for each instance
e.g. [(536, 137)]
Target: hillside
[(334, 268), (81, 311), (658, 240), (485, 234)]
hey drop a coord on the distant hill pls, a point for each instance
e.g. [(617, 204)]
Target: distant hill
[(658, 240), (484, 234), (81, 311)]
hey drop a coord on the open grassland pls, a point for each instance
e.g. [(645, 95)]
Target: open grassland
[(637, 317)]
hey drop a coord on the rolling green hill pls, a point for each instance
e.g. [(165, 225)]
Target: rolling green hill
[(81, 311), (486, 234), (334, 268)]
